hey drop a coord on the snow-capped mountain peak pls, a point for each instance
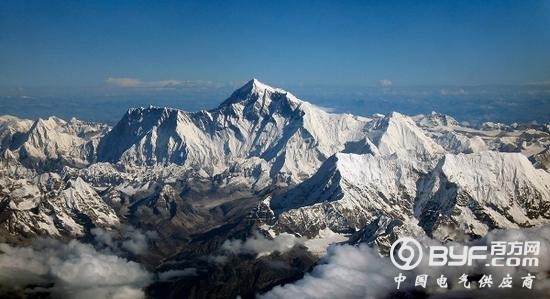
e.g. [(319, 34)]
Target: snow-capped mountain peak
[(292, 136), (256, 91), (398, 134), (54, 142), (338, 172)]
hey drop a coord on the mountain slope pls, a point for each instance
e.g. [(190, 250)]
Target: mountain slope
[(53, 143), (467, 193), (474, 193), (12, 131), (48, 205), (348, 192), (292, 136)]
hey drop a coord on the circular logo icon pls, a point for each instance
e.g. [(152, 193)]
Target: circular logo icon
[(408, 255)]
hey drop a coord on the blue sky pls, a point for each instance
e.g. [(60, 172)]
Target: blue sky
[(65, 44), (476, 60)]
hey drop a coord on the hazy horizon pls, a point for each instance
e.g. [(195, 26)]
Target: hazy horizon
[(507, 104)]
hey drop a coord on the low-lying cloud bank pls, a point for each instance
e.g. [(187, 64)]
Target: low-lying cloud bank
[(125, 82), (128, 240), (360, 272), (256, 245), (259, 245), (102, 270), (72, 270), (78, 270)]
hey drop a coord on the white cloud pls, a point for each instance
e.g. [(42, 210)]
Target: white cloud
[(385, 83), (76, 270), (137, 242), (348, 272), (79, 270), (260, 245), (360, 272), (125, 82), (128, 239), (539, 83), (452, 92)]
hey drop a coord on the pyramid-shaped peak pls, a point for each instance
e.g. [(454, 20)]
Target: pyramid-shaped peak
[(396, 115), (255, 89), (47, 123), (256, 85)]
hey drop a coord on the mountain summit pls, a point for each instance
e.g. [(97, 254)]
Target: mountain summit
[(288, 136), (285, 164), (254, 89)]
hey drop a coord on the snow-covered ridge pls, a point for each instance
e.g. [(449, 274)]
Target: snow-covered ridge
[(371, 177), (293, 137), (348, 192), (478, 192), (52, 142), (48, 204), (378, 198)]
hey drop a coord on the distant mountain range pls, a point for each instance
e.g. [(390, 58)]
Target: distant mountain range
[(265, 161), (472, 104)]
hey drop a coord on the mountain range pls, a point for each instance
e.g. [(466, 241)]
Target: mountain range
[(267, 162)]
